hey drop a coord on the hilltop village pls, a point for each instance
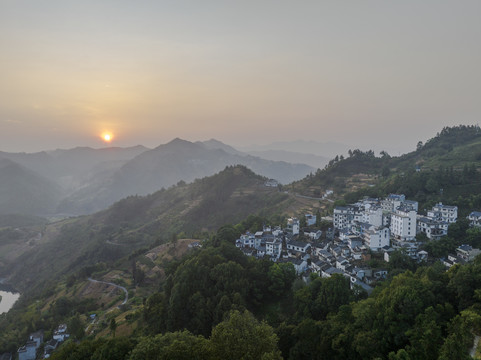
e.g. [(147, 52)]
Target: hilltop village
[(370, 228)]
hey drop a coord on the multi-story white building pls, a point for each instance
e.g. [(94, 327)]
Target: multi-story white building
[(376, 239), (345, 216), (274, 247), (433, 229), (246, 240), (392, 202), (403, 224), (293, 225), (374, 216), (445, 213)]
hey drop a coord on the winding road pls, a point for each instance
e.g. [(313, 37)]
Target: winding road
[(117, 286), (313, 198)]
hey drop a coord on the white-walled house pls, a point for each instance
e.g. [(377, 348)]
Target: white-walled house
[(376, 239), (467, 252), (403, 224), (392, 202), (298, 246), (346, 216), (246, 240), (475, 218), (28, 351), (313, 234), (37, 337), (374, 216), (271, 183), (293, 225), (299, 264), (433, 229), (411, 204), (61, 333), (274, 247), (444, 213)]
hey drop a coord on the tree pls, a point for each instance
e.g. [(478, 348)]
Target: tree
[(385, 171), (154, 313), (114, 349), (241, 336), (174, 240), (172, 346), (113, 326), (281, 276), (76, 327), (384, 155)]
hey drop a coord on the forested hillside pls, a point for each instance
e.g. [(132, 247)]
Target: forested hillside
[(445, 168), (216, 303), (138, 222)]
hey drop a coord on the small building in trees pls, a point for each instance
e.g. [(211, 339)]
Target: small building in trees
[(475, 218)]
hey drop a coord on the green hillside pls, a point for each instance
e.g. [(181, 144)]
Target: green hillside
[(445, 168), (139, 222)]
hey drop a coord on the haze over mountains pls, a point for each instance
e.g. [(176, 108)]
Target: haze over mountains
[(85, 180)]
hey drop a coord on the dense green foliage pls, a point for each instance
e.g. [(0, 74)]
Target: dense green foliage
[(455, 187), (239, 336), (140, 222), (205, 309), (207, 285), (201, 314), (444, 169)]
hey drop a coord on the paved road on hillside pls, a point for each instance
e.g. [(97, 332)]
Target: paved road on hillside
[(117, 286), (313, 198)]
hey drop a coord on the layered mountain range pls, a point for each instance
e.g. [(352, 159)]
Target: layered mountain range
[(84, 180)]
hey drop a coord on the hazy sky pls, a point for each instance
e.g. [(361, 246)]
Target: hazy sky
[(380, 74)]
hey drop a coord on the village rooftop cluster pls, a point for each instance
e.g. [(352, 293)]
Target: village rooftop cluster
[(35, 340), (359, 230)]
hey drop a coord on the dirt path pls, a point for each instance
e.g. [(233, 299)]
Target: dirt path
[(112, 284)]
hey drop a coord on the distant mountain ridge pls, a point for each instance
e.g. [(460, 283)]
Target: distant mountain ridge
[(327, 149), (88, 180), (24, 191), (315, 161), (216, 144), (166, 165)]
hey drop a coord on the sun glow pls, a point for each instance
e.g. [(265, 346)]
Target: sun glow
[(107, 137)]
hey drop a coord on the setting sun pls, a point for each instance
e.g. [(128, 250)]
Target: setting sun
[(107, 137)]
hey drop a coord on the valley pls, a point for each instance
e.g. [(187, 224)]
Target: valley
[(171, 261)]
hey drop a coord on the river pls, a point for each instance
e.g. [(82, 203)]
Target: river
[(8, 298)]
